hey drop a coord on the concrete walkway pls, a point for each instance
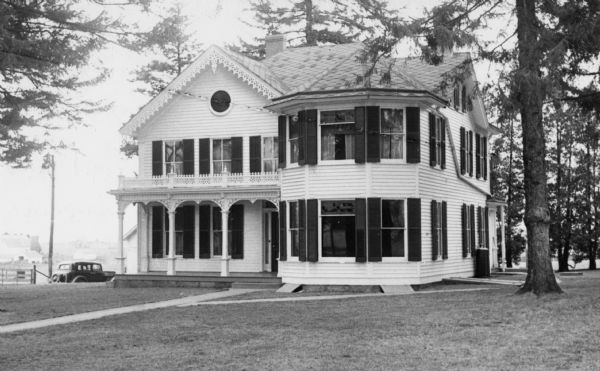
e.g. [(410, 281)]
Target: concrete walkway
[(120, 310), (195, 300)]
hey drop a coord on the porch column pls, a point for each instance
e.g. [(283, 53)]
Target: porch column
[(121, 258), (503, 243), (171, 257), (121, 213), (225, 239)]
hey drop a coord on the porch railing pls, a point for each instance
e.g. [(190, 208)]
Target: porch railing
[(204, 180)]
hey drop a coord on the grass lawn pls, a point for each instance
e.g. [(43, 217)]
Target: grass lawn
[(31, 302), (491, 329)]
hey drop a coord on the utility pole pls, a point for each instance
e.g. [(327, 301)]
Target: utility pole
[(50, 164)]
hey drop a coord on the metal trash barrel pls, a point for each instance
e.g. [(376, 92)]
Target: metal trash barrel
[(482, 263)]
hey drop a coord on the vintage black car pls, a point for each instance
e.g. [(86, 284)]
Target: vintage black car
[(81, 272)]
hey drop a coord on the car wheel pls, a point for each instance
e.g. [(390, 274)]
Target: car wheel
[(79, 279), (54, 278)]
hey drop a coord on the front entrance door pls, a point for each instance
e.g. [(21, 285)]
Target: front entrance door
[(270, 240)]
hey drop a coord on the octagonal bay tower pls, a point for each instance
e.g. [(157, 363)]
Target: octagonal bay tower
[(287, 166)]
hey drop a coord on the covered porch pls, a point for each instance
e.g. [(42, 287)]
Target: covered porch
[(200, 228)]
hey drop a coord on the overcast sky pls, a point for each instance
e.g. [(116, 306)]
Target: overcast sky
[(84, 210)]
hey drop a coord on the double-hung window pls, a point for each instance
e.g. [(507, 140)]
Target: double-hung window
[(438, 233), (295, 229), (174, 157), (392, 228), (270, 149), (392, 134), (337, 228), (337, 135), (295, 141), (221, 156), (439, 127)]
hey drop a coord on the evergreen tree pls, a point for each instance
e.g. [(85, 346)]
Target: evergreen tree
[(304, 22), (171, 48), (45, 45)]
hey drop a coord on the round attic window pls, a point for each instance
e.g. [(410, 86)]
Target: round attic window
[(220, 101)]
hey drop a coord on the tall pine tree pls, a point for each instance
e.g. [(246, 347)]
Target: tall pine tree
[(44, 47)]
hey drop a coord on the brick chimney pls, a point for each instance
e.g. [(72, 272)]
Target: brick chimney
[(274, 44)]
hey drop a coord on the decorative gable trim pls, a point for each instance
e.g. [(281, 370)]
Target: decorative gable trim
[(212, 57)]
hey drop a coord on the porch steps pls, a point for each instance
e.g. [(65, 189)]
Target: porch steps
[(208, 280)]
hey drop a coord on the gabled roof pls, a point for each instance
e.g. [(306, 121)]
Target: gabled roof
[(253, 73), (306, 70)]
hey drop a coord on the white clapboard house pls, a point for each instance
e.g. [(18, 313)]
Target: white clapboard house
[(289, 165)]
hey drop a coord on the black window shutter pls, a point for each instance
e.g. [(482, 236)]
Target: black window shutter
[(432, 156), (374, 234), (359, 135), (204, 228), (311, 137), (360, 221), (255, 154), (473, 231), (443, 143), (302, 138), (444, 230), (463, 218), (282, 138), (413, 135), (463, 100), (434, 232), (312, 230), (282, 231), (414, 229), (157, 231), (237, 155), (477, 155), (187, 216), (302, 232), (463, 152), (157, 158), (373, 131), (204, 154), (470, 153), (188, 157), (487, 228), (485, 158), (236, 224)]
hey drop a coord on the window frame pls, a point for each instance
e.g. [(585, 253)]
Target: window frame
[(470, 225), (438, 227), (212, 159), (405, 218), (165, 163), (333, 259), (288, 140), (320, 161), (469, 153), (439, 123), (290, 257), (275, 157), (392, 160)]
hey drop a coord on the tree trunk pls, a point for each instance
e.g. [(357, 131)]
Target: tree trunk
[(311, 37), (540, 275), (509, 191)]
